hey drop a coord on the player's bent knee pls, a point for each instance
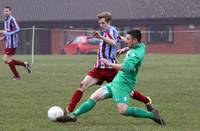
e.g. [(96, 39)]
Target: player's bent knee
[(121, 110), (82, 87), (98, 95), (94, 97), (5, 62)]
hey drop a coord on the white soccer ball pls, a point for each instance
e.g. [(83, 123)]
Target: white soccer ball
[(54, 112)]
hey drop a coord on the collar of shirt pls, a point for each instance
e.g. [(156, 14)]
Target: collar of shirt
[(107, 29), (7, 18)]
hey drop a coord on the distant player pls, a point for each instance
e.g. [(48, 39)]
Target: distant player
[(101, 72), (10, 34), (121, 86)]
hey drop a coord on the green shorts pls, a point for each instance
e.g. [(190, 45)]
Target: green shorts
[(119, 92)]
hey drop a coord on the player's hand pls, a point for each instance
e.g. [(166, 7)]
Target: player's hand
[(105, 61), (2, 32), (97, 34), (119, 52), (2, 38)]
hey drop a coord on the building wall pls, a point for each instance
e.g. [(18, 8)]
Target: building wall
[(56, 41), (183, 42)]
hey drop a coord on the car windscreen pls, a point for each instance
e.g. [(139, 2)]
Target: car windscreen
[(93, 41), (77, 40)]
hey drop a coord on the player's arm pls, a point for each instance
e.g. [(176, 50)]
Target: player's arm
[(129, 64), (112, 65), (126, 66), (2, 32), (111, 42), (123, 39), (2, 38), (122, 51), (15, 29), (134, 58)]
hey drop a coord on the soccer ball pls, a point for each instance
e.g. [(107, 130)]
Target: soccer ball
[(54, 112)]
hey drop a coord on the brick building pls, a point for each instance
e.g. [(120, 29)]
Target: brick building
[(169, 26)]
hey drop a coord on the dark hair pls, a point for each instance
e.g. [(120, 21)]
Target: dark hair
[(107, 15), (135, 34), (7, 7)]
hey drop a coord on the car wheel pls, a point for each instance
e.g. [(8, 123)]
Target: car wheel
[(78, 52)]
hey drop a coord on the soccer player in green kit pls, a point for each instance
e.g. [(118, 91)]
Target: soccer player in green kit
[(122, 85)]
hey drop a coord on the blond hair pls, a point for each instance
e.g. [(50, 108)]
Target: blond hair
[(106, 15)]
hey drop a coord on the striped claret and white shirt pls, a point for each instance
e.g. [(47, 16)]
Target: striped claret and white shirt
[(12, 28), (106, 50)]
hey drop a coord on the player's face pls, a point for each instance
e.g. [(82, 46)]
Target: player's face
[(103, 24), (6, 12), (130, 41)]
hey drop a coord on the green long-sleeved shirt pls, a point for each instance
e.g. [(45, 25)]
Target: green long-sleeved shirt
[(131, 64)]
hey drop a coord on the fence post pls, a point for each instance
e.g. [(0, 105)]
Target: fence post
[(33, 43)]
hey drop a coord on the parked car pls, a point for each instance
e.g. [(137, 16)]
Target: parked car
[(81, 45)]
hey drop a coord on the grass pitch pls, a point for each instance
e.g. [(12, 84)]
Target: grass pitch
[(172, 81)]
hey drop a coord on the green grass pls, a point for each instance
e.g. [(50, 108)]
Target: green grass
[(172, 81)]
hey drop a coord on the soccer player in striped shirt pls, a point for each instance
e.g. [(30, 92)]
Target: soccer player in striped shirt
[(101, 72), (10, 34)]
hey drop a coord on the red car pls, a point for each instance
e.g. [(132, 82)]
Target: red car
[(81, 45)]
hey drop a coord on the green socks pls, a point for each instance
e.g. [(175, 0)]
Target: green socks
[(138, 112), (85, 107)]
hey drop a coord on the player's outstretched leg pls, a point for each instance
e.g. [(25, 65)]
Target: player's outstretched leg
[(138, 112), (14, 70), (85, 83), (25, 64), (74, 101)]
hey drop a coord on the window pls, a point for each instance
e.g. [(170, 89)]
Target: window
[(93, 41), (77, 40), (160, 34)]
